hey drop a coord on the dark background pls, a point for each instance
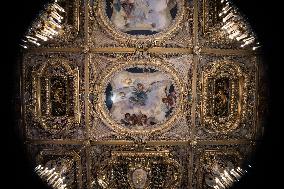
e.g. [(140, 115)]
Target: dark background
[(265, 19)]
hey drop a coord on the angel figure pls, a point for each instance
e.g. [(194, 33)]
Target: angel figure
[(141, 10), (127, 121), (144, 97), (139, 95), (121, 12), (170, 100)]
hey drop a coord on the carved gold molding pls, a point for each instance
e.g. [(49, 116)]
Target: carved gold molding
[(141, 167), (233, 100), (41, 84), (210, 17), (152, 50), (149, 143), (72, 17)]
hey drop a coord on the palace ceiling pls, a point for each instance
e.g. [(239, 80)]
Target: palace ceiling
[(141, 94)]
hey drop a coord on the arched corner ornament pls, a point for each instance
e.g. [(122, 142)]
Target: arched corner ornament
[(141, 21), (140, 97), (66, 163), (56, 95), (224, 96)]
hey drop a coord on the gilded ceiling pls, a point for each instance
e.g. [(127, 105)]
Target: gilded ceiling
[(141, 94)]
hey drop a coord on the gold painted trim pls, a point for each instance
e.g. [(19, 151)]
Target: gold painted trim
[(237, 52), (170, 50), (57, 141), (113, 50)]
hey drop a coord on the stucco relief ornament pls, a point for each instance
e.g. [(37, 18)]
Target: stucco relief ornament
[(139, 178), (142, 54), (86, 49), (197, 50)]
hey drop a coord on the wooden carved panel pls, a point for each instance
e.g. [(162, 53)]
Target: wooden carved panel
[(224, 95), (137, 170), (55, 95)]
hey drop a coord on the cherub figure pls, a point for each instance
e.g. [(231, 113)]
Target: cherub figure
[(127, 119), (170, 100), (139, 96)]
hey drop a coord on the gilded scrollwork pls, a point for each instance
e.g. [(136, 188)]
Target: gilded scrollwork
[(147, 169), (235, 103), (56, 95), (224, 96)]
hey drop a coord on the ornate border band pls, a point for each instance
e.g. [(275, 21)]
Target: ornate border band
[(143, 160), (51, 123), (237, 98)]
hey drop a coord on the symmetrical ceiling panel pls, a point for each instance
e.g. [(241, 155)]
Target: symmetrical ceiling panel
[(141, 94)]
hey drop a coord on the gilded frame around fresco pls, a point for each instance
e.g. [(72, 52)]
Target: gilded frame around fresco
[(105, 22), (122, 65), (47, 121)]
